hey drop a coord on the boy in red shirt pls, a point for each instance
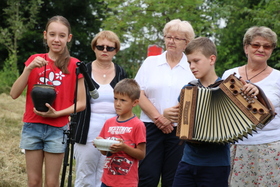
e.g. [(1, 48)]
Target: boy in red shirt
[(121, 165)]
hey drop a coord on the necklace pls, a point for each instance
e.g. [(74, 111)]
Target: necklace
[(104, 73), (248, 80)]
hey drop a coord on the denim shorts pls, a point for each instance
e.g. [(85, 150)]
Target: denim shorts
[(36, 136)]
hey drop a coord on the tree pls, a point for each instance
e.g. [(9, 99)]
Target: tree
[(21, 30), (85, 18), (18, 20), (238, 17), (140, 23)]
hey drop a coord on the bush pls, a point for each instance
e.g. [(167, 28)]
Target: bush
[(8, 74)]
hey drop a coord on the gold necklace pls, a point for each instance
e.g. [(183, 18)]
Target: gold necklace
[(248, 80)]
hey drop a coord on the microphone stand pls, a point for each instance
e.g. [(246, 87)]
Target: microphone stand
[(70, 139)]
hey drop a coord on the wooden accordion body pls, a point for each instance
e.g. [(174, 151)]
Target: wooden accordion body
[(221, 114)]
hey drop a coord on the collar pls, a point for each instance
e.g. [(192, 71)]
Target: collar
[(182, 62)]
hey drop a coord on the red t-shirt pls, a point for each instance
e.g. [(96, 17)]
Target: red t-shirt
[(65, 85), (120, 169)]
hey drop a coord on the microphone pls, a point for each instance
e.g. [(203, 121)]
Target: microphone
[(92, 90)]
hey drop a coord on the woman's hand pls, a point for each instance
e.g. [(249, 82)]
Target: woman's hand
[(249, 89), (164, 124)]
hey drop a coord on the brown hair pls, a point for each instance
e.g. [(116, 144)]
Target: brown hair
[(203, 44), (109, 35), (128, 87), (64, 58)]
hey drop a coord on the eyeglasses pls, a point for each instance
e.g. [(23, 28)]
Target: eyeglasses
[(257, 46), (102, 47), (175, 39)]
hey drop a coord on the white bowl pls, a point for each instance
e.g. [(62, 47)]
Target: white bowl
[(104, 144)]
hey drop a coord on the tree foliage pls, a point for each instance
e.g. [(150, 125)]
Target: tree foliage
[(140, 23), (85, 18), (238, 17), (18, 20)]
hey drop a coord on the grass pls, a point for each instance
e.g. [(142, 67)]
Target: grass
[(12, 161), (136, 110)]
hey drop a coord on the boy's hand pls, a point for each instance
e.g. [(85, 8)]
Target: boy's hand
[(118, 146), (172, 113)]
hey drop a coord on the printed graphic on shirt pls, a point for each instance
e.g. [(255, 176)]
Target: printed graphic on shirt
[(53, 78), (119, 166), (119, 130)]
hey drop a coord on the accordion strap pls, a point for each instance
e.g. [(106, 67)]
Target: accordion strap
[(198, 83)]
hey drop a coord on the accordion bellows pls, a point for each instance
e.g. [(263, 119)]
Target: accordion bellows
[(222, 114)]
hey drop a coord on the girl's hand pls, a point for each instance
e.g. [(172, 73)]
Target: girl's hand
[(51, 113), (37, 63)]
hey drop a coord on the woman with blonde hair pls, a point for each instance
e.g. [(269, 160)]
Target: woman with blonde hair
[(161, 79), (105, 75)]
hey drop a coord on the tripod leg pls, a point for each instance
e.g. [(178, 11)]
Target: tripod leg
[(71, 164)]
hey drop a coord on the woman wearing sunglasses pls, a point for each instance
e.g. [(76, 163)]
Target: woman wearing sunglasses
[(105, 75), (255, 161)]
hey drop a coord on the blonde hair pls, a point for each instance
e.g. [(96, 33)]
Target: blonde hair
[(181, 26), (109, 35)]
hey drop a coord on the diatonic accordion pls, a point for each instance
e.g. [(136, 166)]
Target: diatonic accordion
[(222, 114)]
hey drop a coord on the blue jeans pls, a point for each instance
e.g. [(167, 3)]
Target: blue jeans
[(104, 185), (37, 136), (201, 176), (163, 154)]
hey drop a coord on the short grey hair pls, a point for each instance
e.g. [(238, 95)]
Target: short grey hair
[(181, 26), (262, 31)]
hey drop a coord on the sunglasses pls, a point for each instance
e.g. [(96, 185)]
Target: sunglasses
[(257, 46), (102, 47)]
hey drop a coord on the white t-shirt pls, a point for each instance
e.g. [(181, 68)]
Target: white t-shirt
[(161, 84), (271, 87), (102, 109)]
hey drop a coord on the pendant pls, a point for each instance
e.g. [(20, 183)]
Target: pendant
[(247, 81), (104, 75)]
